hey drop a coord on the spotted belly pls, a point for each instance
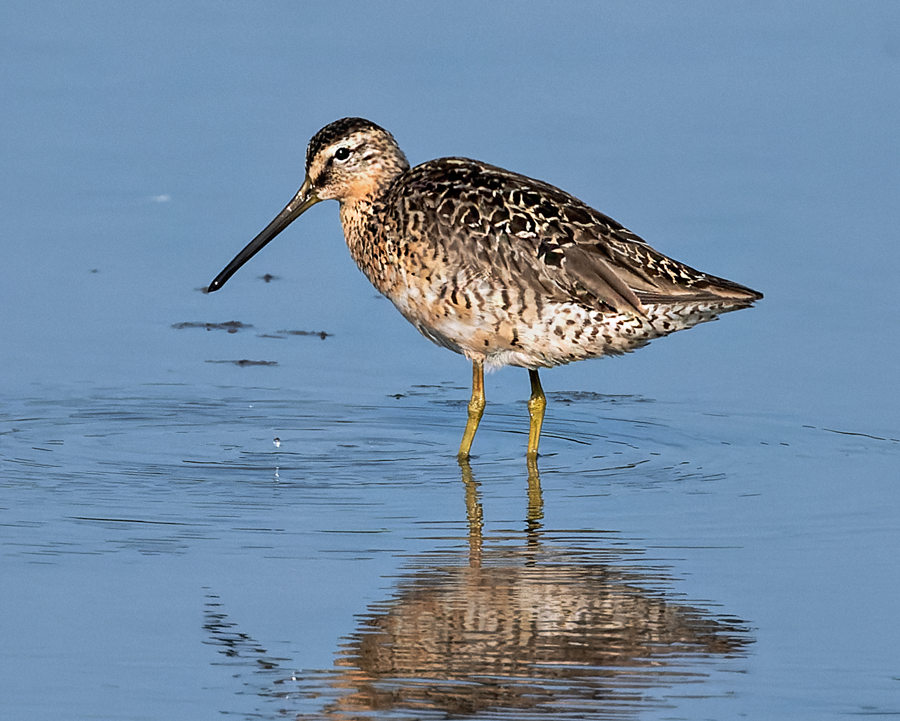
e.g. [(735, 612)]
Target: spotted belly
[(520, 328)]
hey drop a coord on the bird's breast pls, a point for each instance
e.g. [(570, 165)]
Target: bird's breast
[(484, 312)]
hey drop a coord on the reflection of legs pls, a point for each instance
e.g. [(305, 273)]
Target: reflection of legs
[(536, 405), (474, 513), (535, 497), (476, 409), (535, 506)]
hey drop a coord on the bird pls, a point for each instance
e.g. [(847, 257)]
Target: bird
[(499, 267)]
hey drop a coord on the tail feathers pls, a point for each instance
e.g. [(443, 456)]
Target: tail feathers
[(710, 299), (707, 289)]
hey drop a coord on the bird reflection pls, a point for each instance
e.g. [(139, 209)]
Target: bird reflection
[(538, 623)]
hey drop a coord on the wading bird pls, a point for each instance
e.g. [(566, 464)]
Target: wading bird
[(501, 268)]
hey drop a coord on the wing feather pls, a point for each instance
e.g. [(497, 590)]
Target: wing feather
[(531, 234)]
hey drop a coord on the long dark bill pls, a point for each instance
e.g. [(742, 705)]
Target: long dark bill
[(303, 200)]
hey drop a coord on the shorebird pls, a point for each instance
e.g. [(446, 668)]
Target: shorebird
[(504, 269)]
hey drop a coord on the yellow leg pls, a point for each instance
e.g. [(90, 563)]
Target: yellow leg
[(476, 409), (536, 405)]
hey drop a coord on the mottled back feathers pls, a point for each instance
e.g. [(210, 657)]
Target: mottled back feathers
[(529, 232)]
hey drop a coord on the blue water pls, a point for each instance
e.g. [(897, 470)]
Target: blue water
[(713, 529)]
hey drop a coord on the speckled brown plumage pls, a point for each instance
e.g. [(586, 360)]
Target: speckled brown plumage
[(502, 268)]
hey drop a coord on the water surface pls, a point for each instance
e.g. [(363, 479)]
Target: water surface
[(248, 504)]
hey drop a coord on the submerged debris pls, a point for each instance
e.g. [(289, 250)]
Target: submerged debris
[(244, 362), (232, 326), (321, 333)]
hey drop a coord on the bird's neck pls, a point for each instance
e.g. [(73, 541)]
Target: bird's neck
[(363, 218), (360, 230)]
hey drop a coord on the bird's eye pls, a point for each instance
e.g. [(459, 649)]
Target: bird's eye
[(342, 153)]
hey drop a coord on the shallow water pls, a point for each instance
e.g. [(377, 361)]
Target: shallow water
[(248, 504), (645, 571)]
